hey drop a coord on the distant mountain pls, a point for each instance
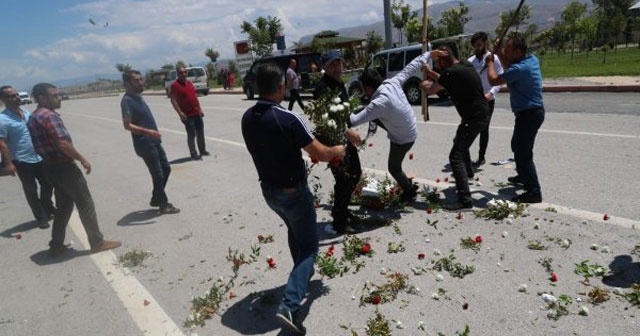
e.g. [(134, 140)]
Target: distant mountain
[(484, 14)]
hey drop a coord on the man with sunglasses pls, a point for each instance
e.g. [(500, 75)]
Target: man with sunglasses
[(20, 157)]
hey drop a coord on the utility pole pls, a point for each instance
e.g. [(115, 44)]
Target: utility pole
[(388, 39)]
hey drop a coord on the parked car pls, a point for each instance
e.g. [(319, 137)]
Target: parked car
[(25, 98), (306, 62), (63, 96), (391, 61), (197, 76)]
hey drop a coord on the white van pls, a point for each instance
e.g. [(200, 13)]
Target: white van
[(197, 76), (25, 98)]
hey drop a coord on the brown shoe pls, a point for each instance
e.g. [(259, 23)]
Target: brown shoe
[(106, 245)]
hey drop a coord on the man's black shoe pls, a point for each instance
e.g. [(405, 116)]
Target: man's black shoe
[(528, 197), (169, 209), (515, 179), (154, 203), (43, 224), (478, 163), (291, 321), (58, 250), (348, 229), (458, 206), (196, 157), (204, 153), (409, 195)]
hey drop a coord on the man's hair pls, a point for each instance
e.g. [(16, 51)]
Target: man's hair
[(41, 89), (371, 78), (479, 36), (4, 87), (450, 56), (518, 42), (127, 76), (268, 78)]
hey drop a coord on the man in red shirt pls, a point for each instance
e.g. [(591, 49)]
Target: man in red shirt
[(184, 99)]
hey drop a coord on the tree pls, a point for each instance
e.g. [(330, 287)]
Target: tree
[(123, 67), (401, 13), (168, 67), (522, 19), (589, 28), (212, 54), (452, 20), (374, 42), (263, 34), (571, 15), (611, 16)]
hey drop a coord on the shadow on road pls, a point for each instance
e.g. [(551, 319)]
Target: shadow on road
[(625, 272), (140, 217), (43, 258), (12, 232), (181, 160), (260, 309)]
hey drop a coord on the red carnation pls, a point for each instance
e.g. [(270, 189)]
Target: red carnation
[(478, 239), (365, 249), (605, 217), (410, 156), (260, 238), (421, 256), (446, 179), (437, 180), (554, 277), (465, 306), (459, 215), (376, 299), (370, 144), (271, 263), (19, 236), (429, 211)]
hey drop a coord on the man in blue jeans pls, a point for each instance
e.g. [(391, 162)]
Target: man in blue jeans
[(524, 79), (137, 118), (274, 137), (19, 156)]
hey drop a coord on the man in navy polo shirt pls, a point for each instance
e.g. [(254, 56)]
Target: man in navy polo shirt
[(137, 118), (274, 137)]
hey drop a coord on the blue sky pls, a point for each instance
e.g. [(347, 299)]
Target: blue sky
[(50, 40)]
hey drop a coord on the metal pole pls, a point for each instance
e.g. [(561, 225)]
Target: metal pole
[(388, 39), (425, 44)]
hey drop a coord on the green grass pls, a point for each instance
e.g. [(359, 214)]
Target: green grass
[(623, 62)]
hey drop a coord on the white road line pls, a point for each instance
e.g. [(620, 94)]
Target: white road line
[(151, 319), (542, 130), (583, 214)]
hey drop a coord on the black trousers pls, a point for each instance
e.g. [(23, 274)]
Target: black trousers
[(347, 176), (294, 96), (484, 134), (41, 206), (459, 157)]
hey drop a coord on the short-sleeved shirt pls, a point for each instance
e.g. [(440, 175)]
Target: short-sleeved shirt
[(136, 110), (187, 98), (46, 128), (274, 137), (14, 130), (524, 80), (465, 89), (292, 79)]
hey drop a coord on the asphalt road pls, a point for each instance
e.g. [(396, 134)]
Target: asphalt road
[(587, 154)]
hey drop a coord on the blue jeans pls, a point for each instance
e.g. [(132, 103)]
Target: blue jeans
[(156, 160), (29, 173), (71, 188), (524, 136), (295, 207), (195, 129)]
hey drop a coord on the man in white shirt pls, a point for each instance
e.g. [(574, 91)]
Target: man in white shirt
[(390, 109), (293, 84), (480, 44)]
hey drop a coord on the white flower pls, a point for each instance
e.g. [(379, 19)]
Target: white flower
[(325, 116), (548, 298), (536, 226), (383, 271), (333, 108), (340, 108), (436, 252), (595, 247), (331, 123), (522, 288), (337, 100), (435, 296), (509, 221), (439, 277), (605, 249), (584, 311), (565, 243), (346, 104), (399, 325), (505, 234)]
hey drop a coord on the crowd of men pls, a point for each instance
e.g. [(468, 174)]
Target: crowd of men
[(38, 147)]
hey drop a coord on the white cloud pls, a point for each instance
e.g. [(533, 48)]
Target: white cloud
[(149, 33)]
